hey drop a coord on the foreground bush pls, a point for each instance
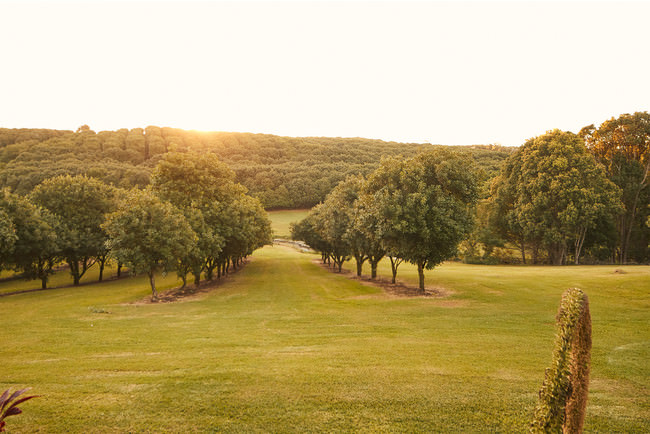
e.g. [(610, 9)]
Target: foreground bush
[(563, 396)]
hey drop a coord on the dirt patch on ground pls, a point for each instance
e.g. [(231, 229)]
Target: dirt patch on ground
[(398, 289), (191, 291)]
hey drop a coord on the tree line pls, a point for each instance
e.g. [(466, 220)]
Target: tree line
[(282, 172), (415, 210), (193, 218), (560, 197)]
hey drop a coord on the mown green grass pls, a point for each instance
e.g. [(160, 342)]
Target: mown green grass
[(285, 346), (280, 221)]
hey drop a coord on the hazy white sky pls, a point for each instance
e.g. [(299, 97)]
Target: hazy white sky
[(438, 72)]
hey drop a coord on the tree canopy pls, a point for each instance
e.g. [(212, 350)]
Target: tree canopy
[(147, 234), (551, 193)]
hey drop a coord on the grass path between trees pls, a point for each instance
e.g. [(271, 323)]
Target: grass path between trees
[(286, 346)]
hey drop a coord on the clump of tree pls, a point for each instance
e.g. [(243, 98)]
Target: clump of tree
[(563, 396), (29, 235), (550, 194), (229, 224), (80, 205), (415, 210), (622, 145), (147, 234), (194, 219)]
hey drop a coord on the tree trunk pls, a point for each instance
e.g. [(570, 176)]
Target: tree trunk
[(394, 263), (74, 271), (101, 269), (373, 269), (197, 278), (152, 282), (359, 267), (523, 251), (580, 239), (421, 275), (184, 279), (119, 269)]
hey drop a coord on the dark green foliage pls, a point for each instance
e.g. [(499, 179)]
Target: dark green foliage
[(622, 145), (416, 210), (229, 224), (36, 244), (80, 205), (283, 172), (424, 206), (550, 194), (9, 405), (563, 396), (146, 234)]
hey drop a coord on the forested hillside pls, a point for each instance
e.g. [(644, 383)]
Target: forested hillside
[(283, 172)]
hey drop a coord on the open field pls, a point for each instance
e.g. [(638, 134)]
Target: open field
[(280, 221), (287, 346)]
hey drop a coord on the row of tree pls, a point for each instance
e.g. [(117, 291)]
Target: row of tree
[(557, 196), (193, 218), (415, 210)]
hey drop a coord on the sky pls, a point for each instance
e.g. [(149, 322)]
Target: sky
[(453, 73)]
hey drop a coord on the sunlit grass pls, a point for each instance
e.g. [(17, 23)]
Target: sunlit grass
[(280, 221), (287, 346)]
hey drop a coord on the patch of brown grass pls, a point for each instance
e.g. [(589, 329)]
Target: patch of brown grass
[(398, 289)]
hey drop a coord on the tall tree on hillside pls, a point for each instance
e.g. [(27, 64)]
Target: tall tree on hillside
[(80, 203), (35, 248), (623, 146), (147, 234), (425, 206), (555, 192)]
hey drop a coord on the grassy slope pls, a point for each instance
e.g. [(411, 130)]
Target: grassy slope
[(280, 221), (286, 346)]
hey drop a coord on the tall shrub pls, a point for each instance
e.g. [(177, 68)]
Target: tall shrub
[(563, 396)]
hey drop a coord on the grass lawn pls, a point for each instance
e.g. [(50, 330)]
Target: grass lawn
[(285, 346), (280, 221)]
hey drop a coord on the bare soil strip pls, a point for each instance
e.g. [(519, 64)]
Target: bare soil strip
[(398, 289), (191, 291)]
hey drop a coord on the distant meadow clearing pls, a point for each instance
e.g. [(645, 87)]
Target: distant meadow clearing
[(287, 346)]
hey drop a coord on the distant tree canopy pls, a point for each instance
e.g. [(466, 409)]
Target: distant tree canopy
[(282, 172)]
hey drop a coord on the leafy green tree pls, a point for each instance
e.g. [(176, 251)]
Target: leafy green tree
[(305, 230), (623, 145), (203, 188), (191, 179), (249, 229), (332, 222), (7, 238), (146, 234), (337, 219), (80, 203), (425, 206), (366, 233), (35, 249), (560, 192)]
